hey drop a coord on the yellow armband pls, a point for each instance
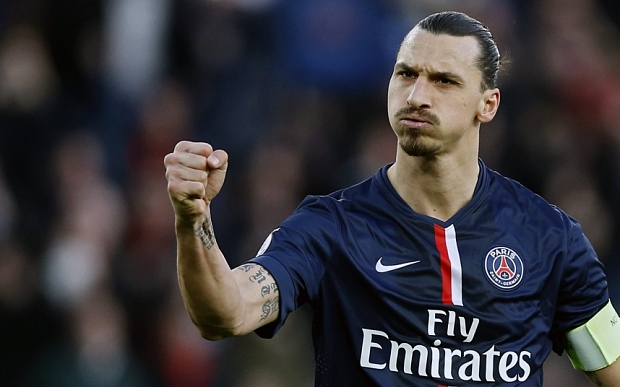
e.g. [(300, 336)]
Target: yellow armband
[(595, 344)]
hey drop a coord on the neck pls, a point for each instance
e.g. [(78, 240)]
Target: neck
[(437, 187)]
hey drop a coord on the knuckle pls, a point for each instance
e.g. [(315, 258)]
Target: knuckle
[(181, 144), (173, 183), (171, 159), (170, 175), (193, 187), (173, 189)]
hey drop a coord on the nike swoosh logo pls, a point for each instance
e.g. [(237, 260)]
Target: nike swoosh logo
[(381, 268)]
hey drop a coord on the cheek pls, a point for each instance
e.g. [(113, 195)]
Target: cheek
[(393, 103), (390, 95), (460, 113), (467, 108), (396, 92)]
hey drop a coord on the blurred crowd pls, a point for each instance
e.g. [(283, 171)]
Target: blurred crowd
[(94, 93)]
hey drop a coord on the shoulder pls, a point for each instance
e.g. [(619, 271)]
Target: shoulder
[(341, 199), (509, 193)]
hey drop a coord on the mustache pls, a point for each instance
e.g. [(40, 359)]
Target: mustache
[(409, 111)]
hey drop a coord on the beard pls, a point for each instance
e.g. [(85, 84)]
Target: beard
[(413, 144), (413, 141)]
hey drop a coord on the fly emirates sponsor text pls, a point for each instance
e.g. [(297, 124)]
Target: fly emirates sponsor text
[(422, 360)]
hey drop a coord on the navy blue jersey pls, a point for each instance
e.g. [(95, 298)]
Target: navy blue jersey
[(403, 299)]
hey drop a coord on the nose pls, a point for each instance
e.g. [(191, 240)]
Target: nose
[(419, 95)]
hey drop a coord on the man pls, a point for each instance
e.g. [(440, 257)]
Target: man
[(435, 272)]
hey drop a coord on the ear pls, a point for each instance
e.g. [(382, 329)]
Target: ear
[(489, 104)]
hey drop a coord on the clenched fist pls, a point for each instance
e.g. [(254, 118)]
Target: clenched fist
[(195, 174)]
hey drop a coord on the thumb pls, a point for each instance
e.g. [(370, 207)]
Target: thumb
[(217, 164), (217, 160)]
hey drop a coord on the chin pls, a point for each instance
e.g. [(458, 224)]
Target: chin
[(416, 148)]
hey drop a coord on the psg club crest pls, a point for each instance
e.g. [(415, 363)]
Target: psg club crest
[(504, 268)]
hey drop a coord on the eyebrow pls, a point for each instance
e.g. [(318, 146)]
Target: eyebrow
[(436, 74)]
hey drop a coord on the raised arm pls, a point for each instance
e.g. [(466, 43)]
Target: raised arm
[(221, 302)]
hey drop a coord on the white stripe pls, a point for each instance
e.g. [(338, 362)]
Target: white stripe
[(455, 265)]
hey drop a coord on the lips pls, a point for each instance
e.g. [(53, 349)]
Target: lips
[(416, 119), (416, 122)]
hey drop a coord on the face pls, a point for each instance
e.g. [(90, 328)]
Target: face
[(435, 101)]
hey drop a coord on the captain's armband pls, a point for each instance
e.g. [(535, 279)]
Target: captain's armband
[(595, 344)]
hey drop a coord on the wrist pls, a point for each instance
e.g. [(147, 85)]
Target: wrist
[(199, 228), (189, 222), (185, 225)]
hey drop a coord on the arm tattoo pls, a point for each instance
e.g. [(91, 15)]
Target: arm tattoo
[(266, 289), (269, 287), (206, 234), (270, 307), (259, 276), (592, 376), (246, 267)]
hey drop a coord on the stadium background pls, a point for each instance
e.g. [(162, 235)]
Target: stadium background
[(93, 94)]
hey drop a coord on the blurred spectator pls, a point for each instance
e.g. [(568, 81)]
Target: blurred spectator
[(164, 118), (135, 33), (8, 210), (97, 354), (27, 78), (376, 147), (274, 184), (317, 126), (337, 45), (29, 87), (145, 270), (25, 321), (90, 225), (572, 188)]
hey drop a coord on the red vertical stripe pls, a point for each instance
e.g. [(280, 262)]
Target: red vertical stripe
[(446, 273)]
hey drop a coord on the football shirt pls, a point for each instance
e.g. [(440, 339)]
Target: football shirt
[(403, 299)]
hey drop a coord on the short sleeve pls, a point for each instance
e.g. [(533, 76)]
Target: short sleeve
[(583, 290), (296, 254)]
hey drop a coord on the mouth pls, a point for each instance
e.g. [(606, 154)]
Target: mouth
[(415, 121), (415, 118)]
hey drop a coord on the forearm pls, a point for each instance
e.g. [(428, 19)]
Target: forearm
[(210, 292)]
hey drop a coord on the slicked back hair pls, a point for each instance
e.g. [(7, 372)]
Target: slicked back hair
[(459, 24)]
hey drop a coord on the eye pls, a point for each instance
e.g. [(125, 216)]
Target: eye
[(406, 74), (446, 81)]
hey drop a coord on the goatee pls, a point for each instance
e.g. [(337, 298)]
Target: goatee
[(413, 145)]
